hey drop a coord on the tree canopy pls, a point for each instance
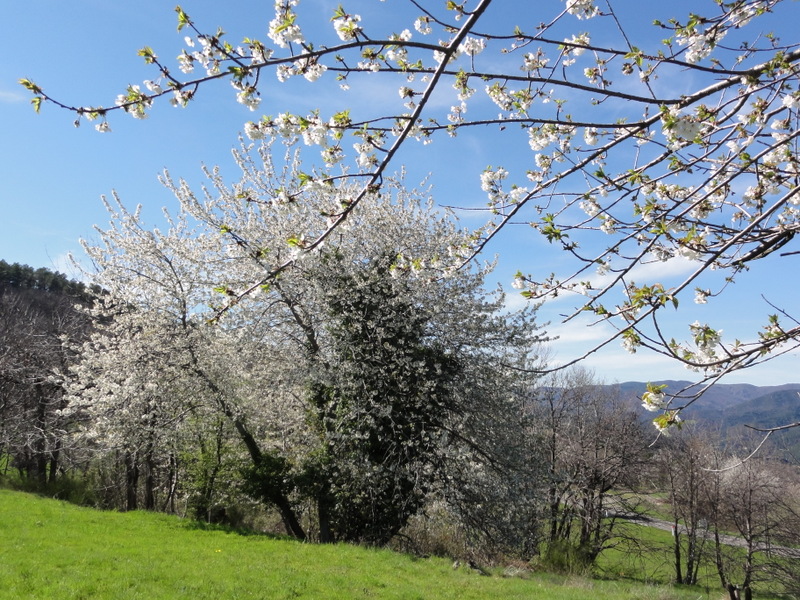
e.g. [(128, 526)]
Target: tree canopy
[(357, 383)]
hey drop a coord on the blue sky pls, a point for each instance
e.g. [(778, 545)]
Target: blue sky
[(53, 174)]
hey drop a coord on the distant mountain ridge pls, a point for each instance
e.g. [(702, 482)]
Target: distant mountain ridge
[(720, 398), (729, 407)]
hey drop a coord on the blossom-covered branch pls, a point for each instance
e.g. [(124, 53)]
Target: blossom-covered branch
[(624, 146)]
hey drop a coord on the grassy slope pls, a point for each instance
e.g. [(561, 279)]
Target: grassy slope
[(50, 549), (653, 560)]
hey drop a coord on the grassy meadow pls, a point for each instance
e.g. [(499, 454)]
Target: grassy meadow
[(51, 549)]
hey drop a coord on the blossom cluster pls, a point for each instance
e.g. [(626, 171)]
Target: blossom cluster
[(283, 28), (699, 44), (583, 9)]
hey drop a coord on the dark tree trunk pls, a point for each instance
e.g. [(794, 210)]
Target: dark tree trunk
[(53, 468), (676, 540), (131, 481), (149, 484), (172, 478), (288, 516), (323, 513)]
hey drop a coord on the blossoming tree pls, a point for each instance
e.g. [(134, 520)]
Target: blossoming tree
[(357, 383), (623, 144)]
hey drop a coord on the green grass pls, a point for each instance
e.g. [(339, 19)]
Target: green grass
[(51, 549), (654, 562)]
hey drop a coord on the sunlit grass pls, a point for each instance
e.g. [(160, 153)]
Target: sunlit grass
[(50, 549), (649, 557)]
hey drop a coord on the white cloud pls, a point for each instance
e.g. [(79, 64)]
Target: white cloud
[(576, 332), (12, 97), (656, 270)]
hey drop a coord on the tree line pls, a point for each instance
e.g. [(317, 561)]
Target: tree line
[(37, 314)]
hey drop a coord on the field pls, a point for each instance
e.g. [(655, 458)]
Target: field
[(51, 549)]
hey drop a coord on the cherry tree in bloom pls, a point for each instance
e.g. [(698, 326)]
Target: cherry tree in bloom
[(366, 377), (625, 146)]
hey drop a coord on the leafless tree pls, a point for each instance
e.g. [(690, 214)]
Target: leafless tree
[(592, 446)]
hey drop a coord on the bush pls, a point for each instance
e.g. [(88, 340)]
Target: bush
[(563, 556), (433, 533), (68, 487)]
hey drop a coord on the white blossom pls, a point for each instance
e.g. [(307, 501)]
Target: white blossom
[(422, 25), (533, 62), (283, 30), (185, 62), (249, 97), (153, 86), (491, 180), (500, 96), (315, 133), (699, 44), (253, 131), (347, 27), (629, 343), (791, 101), (311, 69), (654, 401), (582, 39), (472, 46), (590, 206), (583, 9)]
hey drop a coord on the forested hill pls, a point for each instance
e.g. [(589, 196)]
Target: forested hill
[(20, 276), (728, 408), (39, 328), (721, 398)]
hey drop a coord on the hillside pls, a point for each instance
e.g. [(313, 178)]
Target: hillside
[(728, 408), (54, 550), (728, 402), (721, 398)]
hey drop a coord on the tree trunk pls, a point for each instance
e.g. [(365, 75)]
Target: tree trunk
[(676, 540), (52, 473), (149, 483), (172, 478), (288, 516), (290, 521), (733, 593), (326, 535), (131, 481)]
